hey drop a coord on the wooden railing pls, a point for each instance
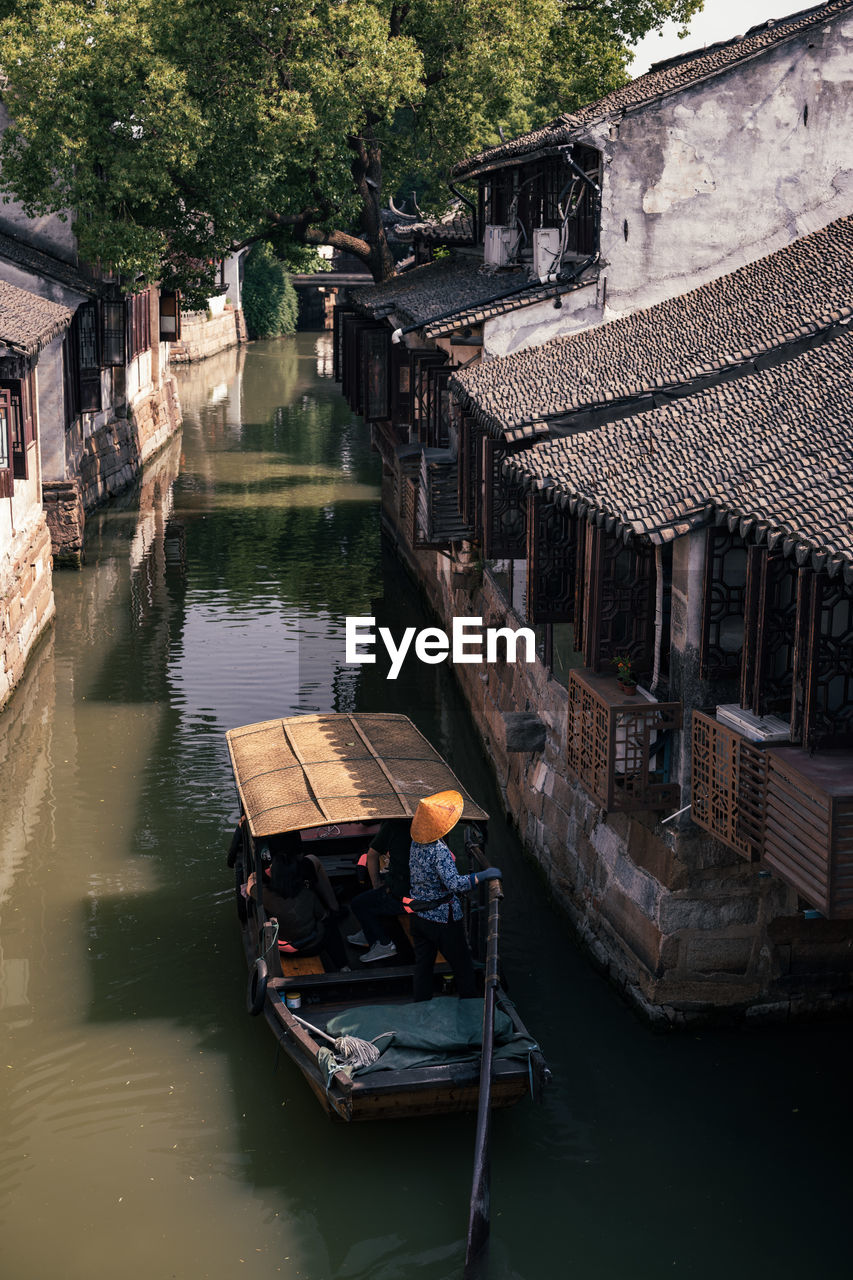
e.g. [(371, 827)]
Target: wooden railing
[(618, 744), (729, 790)]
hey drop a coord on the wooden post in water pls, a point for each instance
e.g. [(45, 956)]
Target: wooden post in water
[(477, 1244)]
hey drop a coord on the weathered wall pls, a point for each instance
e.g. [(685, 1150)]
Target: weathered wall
[(26, 596), (677, 921), (710, 178), (203, 336), (107, 461)]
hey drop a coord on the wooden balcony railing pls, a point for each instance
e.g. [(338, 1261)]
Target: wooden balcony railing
[(809, 825), (618, 744), (791, 810), (729, 786)]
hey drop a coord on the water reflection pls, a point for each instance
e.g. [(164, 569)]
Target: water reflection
[(145, 1124)]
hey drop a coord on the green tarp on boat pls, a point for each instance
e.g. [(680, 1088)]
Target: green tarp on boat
[(445, 1029)]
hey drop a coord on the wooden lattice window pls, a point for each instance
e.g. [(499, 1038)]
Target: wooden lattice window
[(724, 605), (504, 508), (21, 420), (422, 360), (729, 786), (7, 483), (469, 472), (552, 547), (338, 316), (84, 350), (401, 385), (829, 664), (170, 315), (617, 601), (113, 339), (138, 324), (375, 374), (438, 433), (770, 623)]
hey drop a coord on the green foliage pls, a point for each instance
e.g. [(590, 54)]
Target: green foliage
[(174, 131), (269, 299)]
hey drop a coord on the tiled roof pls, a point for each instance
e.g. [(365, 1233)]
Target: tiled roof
[(663, 79), (454, 227), (442, 296), (28, 322), (799, 290), (771, 452), (39, 263)]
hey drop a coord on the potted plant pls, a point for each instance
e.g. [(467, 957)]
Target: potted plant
[(625, 674)]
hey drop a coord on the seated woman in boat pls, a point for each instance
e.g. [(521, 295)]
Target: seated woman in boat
[(435, 883), (291, 896), (376, 906)]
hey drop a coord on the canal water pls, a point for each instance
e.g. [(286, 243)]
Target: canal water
[(146, 1129)]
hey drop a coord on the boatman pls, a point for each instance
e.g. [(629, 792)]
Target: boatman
[(435, 885)]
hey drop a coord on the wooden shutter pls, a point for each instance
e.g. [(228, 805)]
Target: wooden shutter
[(401, 385)]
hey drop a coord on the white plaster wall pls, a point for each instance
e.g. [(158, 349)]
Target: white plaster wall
[(232, 278), (51, 412), (139, 380), (709, 179)]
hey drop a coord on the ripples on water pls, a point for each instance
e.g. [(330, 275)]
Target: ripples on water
[(146, 1128)]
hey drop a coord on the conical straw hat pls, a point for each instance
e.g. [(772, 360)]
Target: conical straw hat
[(436, 815)]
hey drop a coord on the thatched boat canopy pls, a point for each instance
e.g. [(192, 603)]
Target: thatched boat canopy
[(308, 771)]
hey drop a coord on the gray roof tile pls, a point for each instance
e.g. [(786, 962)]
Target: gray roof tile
[(746, 450), (27, 322), (787, 296)]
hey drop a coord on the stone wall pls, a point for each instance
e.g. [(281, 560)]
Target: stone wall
[(26, 599), (110, 460), (203, 335), (685, 928)]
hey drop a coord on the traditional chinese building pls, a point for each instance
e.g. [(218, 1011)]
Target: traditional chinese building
[(32, 333)]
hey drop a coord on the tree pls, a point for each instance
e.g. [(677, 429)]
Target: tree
[(175, 131), (269, 298)]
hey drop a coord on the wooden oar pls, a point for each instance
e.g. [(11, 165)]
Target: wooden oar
[(477, 1244)]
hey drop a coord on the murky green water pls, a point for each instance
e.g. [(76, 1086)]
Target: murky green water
[(146, 1130)]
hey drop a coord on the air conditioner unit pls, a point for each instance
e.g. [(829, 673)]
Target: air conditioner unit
[(764, 730), (496, 246), (546, 251)]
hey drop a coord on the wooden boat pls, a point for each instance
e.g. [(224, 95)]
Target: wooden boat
[(333, 778)]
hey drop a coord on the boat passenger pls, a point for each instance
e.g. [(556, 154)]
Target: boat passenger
[(384, 900), (291, 897), (437, 923)]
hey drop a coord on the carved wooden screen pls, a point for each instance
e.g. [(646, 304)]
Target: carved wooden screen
[(770, 618), (723, 605), (338, 316), (470, 449), (363, 332), (552, 548), (619, 612), (504, 508), (375, 344)]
